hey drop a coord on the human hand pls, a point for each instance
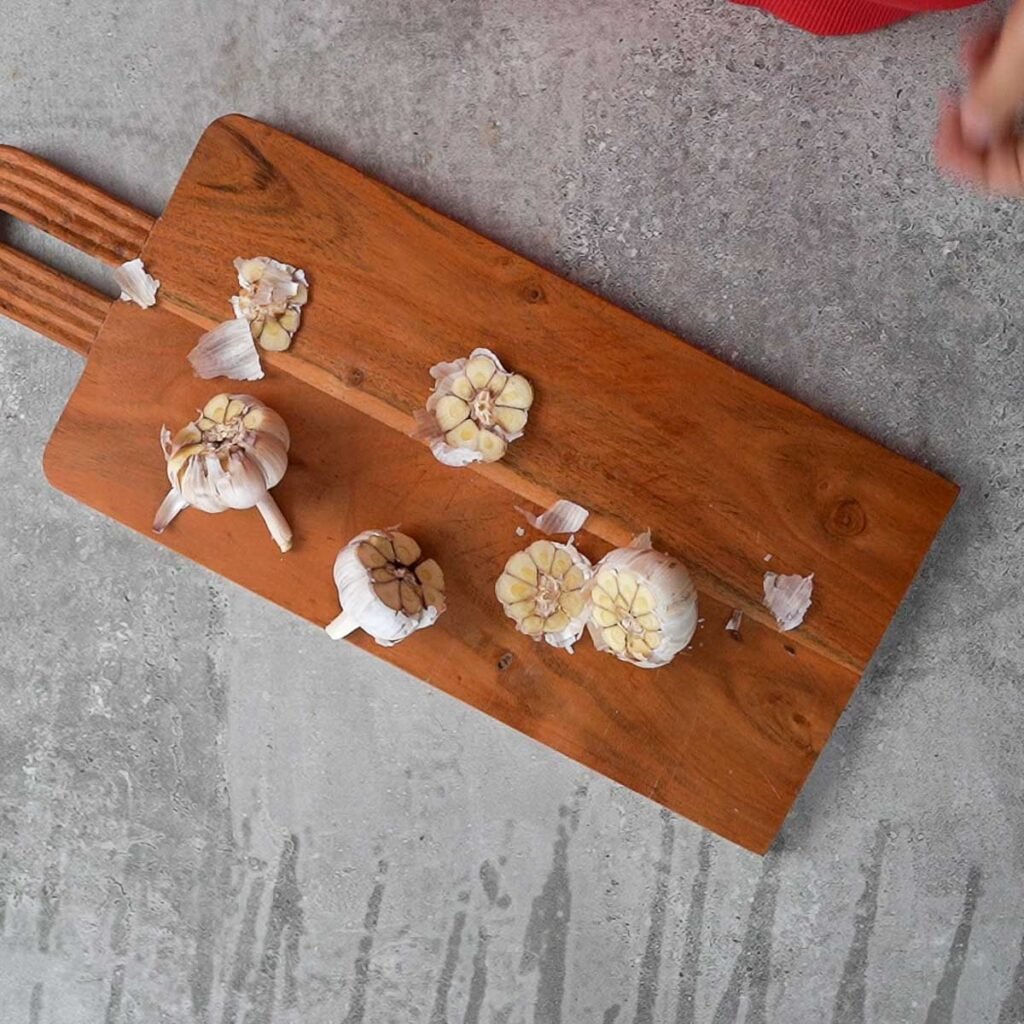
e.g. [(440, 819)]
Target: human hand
[(978, 139)]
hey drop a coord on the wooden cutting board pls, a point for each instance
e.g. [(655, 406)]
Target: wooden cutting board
[(643, 429)]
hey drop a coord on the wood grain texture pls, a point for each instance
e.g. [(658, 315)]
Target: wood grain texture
[(67, 311), (70, 209), (643, 429), (725, 735)]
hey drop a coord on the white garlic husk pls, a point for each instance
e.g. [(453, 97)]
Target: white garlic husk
[(643, 605), (788, 598), (544, 590), (477, 408), (384, 587), (228, 457), (227, 351), (136, 285), (270, 301)]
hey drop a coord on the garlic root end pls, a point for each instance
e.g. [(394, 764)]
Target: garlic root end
[(276, 522), (340, 627)]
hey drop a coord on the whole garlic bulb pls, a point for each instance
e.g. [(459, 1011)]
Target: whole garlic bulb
[(544, 591), (643, 605), (228, 457), (477, 408), (384, 588)]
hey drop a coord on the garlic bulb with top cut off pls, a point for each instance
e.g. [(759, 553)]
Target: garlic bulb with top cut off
[(644, 605), (385, 589), (544, 591), (228, 457), (477, 408), (271, 300)]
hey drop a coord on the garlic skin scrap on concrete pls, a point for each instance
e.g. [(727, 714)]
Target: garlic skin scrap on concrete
[(477, 408), (228, 457), (543, 589), (643, 605), (271, 300), (384, 587)]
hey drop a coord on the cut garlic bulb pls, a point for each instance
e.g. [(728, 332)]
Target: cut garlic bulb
[(228, 457), (271, 300), (644, 605), (477, 408), (544, 591), (136, 285), (385, 589)]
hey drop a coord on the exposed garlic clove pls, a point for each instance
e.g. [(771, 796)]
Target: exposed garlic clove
[(384, 589), (788, 598), (227, 351), (136, 285), (643, 605), (543, 590), (270, 300), (229, 457), (476, 407)]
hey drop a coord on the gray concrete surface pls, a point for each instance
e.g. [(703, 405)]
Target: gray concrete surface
[(211, 814)]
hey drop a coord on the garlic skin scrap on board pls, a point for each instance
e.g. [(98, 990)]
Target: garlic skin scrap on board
[(385, 589), (228, 457), (544, 591), (477, 408), (788, 598), (136, 285), (643, 605), (271, 300)]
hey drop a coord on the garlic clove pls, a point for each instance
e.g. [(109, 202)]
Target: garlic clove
[(543, 554), (532, 625), (462, 388), (289, 320), (561, 563), (511, 590), (479, 371), (235, 409), (510, 420), (600, 597), (390, 593), (556, 621), (451, 411), (216, 408), (574, 579), (615, 637), (274, 338), (429, 574), (463, 436), (383, 544), (573, 602), (628, 585), (249, 271), (517, 393), (490, 446), (407, 551), (523, 567), (497, 383)]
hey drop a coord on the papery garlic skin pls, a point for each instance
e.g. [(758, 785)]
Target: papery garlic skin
[(477, 408), (543, 589), (228, 457), (643, 605), (562, 517), (271, 300), (385, 589), (136, 285), (227, 351), (788, 598)]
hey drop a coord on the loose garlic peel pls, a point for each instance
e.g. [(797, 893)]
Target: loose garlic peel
[(228, 457), (385, 589), (544, 591), (476, 410), (643, 605), (271, 300)]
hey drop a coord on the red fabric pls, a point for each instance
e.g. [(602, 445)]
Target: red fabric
[(845, 17)]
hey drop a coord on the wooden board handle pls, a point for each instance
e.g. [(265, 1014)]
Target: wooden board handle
[(78, 213), (70, 209), (39, 297)]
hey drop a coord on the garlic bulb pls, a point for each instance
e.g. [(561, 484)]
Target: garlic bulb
[(385, 589), (644, 605), (136, 285), (271, 300), (475, 410), (544, 591), (229, 457)]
